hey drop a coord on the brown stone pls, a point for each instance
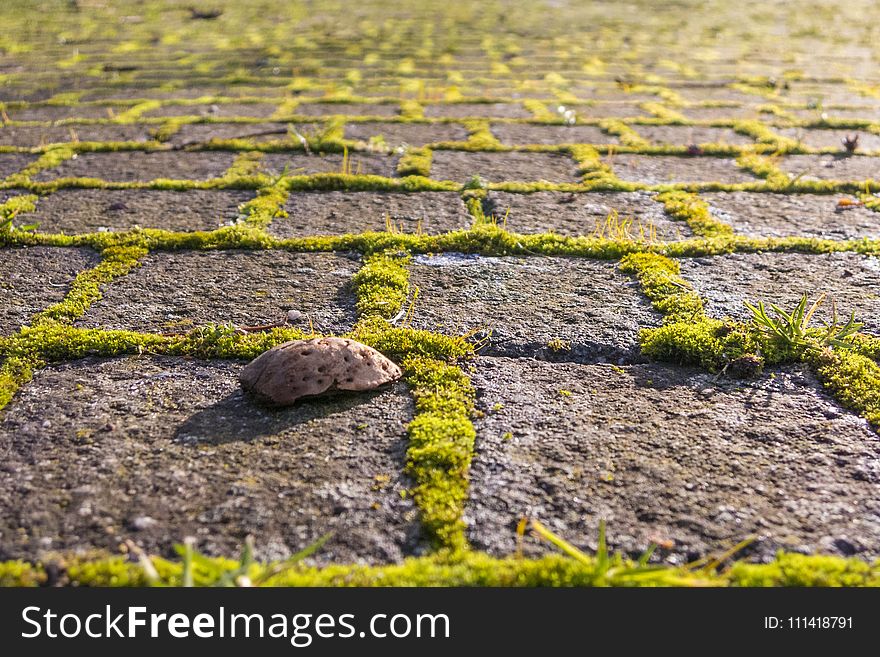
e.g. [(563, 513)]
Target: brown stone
[(304, 368)]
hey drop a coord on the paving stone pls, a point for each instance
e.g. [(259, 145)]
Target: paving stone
[(176, 442), (851, 280), (662, 169), (669, 454), (304, 164), (75, 211), (198, 133), (522, 304), (14, 162), (132, 166), (338, 213), (791, 215), (722, 113), (461, 166), (815, 138), (516, 134), (179, 290), (583, 214), (862, 113), (398, 134), (349, 109), (717, 94), (478, 110), (683, 135), (830, 167), (601, 110), (248, 110), (32, 136), (34, 278), (60, 112)]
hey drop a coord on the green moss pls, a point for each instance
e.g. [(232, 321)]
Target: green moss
[(693, 210), (664, 113), (21, 573), (661, 283), (465, 569), (265, 207), (710, 343), (762, 134), (480, 137), (539, 110), (803, 570), (853, 379), (590, 164), (764, 167), (627, 136), (441, 445), (15, 371), (411, 109), (382, 284), (50, 158), (134, 113), (86, 287), (415, 162)]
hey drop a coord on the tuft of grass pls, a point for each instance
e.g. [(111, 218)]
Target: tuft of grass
[(794, 331)]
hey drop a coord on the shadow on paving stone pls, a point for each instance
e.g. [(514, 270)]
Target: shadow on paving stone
[(14, 162), (682, 135), (75, 211), (32, 136), (302, 164), (477, 110), (851, 281), (395, 135), (670, 456), (33, 278), (338, 213), (518, 134), (830, 167), (136, 166), (461, 166), (552, 308), (793, 215), (662, 169), (583, 214), (179, 291), (157, 449)]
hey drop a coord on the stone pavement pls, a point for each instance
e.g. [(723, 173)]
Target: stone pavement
[(175, 179)]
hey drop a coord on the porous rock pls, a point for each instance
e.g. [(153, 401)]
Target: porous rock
[(304, 368)]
